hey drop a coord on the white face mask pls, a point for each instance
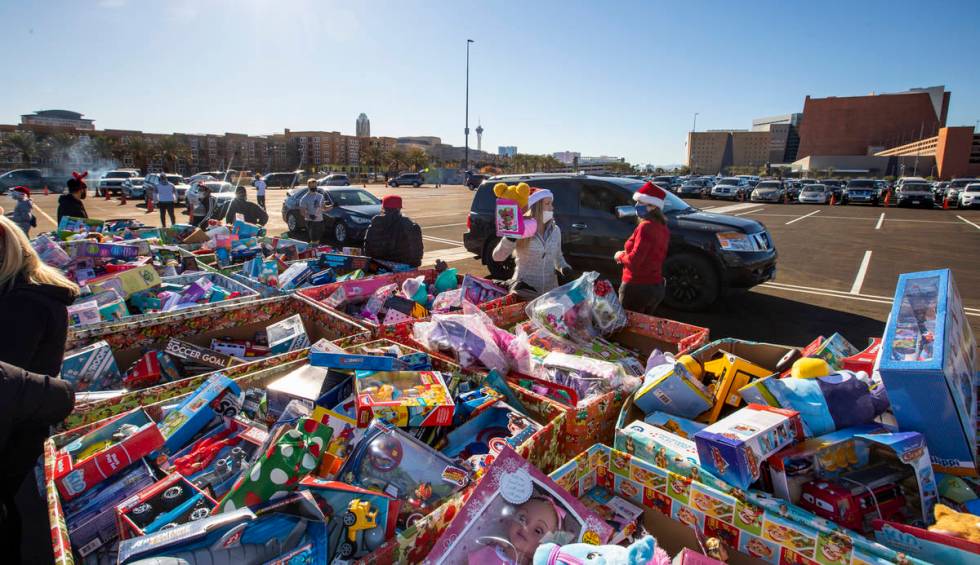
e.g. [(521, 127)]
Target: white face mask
[(547, 216)]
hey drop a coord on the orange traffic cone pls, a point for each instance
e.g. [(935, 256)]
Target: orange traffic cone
[(888, 197), (45, 190), (107, 197), (149, 205), (946, 203), (122, 197), (831, 199)]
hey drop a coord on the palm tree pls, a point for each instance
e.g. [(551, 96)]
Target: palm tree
[(396, 158), (171, 150), (61, 144), (24, 143), (372, 156), (417, 158), (105, 147), (139, 150)]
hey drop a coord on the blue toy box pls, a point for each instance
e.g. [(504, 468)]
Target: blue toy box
[(674, 390), (928, 366), (91, 368), (218, 395)]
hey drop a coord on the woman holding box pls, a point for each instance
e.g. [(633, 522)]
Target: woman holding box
[(644, 253)]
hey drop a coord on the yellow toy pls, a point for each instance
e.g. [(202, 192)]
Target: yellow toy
[(692, 365), (956, 524), (810, 368), (724, 376), (516, 192)]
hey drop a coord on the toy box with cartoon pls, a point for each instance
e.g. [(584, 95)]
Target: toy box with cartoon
[(621, 515), (513, 510), (833, 350), (219, 396), (390, 461), (287, 335), (854, 475), (678, 426), (380, 355), (359, 520), (512, 202), (865, 360), (672, 388), (928, 366), (92, 367), (170, 502), (481, 438), (954, 538), (403, 398), (292, 530), (104, 452), (735, 447), (345, 436), (216, 460)]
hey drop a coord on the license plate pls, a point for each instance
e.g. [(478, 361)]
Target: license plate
[(915, 202)]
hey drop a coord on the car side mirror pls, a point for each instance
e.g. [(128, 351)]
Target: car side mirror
[(626, 211)]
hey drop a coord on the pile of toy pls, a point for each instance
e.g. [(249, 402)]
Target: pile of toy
[(276, 272)]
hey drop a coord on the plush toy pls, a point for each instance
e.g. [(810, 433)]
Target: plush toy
[(642, 552), (951, 523), (516, 192)]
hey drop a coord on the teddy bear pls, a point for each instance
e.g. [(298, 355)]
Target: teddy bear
[(956, 524), (516, 192)]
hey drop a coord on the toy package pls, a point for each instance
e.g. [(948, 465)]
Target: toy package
[(359, 521), (50, 252), (171, 502), (92, 367), (84, 313), (621, 515), (381, 355), (672, 388), (734, 448), (104, 452), (678, 426), (588, 377), (345, 435), (128, 282), (403, 398), (198, 355), (308, 384), (467, 337), (215, 461), (864, 360), (581, 310), (509, 211), (287, 335), (390, 461), (482, 438), (219, 395), (514, 509), (834, 350)]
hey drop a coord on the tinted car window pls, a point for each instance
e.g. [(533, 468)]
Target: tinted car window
[(485, 199), (353, 198), (598, 199), (861, 184)]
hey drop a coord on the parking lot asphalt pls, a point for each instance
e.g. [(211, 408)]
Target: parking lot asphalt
[(837, 267)]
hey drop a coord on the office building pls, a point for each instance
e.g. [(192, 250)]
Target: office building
[(507, 150), (763, 124), (954, 152), (713, 152), (363, 126), (567, 157), (59, 119)]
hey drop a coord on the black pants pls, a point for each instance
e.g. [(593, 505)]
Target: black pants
[(261, 200), (166, 207), (315, 231), (642, 298)]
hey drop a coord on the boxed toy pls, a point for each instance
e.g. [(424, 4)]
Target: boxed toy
[(214, 462), (359, 521), (91, 368), (127, 282), (855, 475), (482, 438), (308, 384), (287, 335), (345, 435), (104, 452), (198, 355), (403, 398), (865, 360), (219, 395), (671, 388), (658, 445), (933, 546), (678, 426), (834, 350), (928, 365), (512, 510), (381, 355), (84, 313), (172, 501), (734, 448), (390, 461), (725, 374), (620, 514)]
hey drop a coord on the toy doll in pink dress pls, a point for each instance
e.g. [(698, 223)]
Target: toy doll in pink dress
[(524, 529)]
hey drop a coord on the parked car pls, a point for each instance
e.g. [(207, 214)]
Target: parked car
[(222, 192), (180, 185), (112, 181), (31, 178), (283, 180), (860, 191), (768, 191), (728, 188), (708, 252), (335, 179), (664, 182), (474, 180), (133, 187), (814, 194), (413, 179), (956, 187), (835, 186), (346, 211), (939, 191), (693, 189), (969, 196), (914, 193)]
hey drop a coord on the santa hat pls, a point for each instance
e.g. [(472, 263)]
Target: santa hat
[(537, 195), (392, 202), (21, 189), (650, 195)]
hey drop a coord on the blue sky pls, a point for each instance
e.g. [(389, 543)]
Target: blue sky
[(614, 78)]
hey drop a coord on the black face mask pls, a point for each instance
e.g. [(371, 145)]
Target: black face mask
[(83, 194)]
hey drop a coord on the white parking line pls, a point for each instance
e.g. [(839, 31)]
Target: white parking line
[(45, 214), (862, 272), (443, 226), (881, 219), (447, 255), (969, 222), (801, 217), (732, 208), (975, 312), (441, 240)]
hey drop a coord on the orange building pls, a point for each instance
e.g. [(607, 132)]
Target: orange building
[(955, 150)]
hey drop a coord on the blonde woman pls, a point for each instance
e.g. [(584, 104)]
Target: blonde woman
[(33, 302), (538, 257)]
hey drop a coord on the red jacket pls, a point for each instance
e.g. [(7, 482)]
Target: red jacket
[(644, 254)]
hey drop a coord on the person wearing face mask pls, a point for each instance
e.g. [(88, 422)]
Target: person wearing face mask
[(643, 256), (538, 257), (70, 204)]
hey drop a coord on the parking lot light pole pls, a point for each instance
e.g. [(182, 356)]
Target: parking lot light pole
[(466, 129), (694, 128)]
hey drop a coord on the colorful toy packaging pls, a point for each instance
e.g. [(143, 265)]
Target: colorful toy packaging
[(734, 448), (403, 398), (309, 385), (580, 310), (215, 461), (928, 366), (219, 395), (672, 388), (514, 509), (510, 208), (359, 520), (91, 368), (480, 439), (287, 335), (171, 502), (104, 452)]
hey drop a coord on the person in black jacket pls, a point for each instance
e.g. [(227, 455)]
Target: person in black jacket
[(70, 204), (33, 305), (392, 236), (29, 404), (252, 212)]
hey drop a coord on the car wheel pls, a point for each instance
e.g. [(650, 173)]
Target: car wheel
[(292, 222), (692, 283), (416, 185), (340, 232), (498, 270)]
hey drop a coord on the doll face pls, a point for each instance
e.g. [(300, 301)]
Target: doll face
[(532, 520)]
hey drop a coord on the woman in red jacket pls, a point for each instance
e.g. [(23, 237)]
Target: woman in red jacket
[(643, 256)]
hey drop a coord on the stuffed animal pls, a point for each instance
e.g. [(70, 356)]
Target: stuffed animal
[(516, 192), (642, 552), (951, 523)]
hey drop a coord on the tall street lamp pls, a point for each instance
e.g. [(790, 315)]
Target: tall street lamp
[(694, 128), (466, 130)]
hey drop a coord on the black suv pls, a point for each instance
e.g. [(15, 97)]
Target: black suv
[(413, 179), (707, 253)]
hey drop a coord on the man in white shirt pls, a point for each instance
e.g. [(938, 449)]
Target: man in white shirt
[(311, 206), (166, 196), (259, 185)]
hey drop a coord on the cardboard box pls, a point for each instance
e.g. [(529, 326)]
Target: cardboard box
[(734, 448), (172, 501), (928, 366), (403, 398), (865, 360), (307, 384), (128, 282), (91, 368), (729, 373), (287, 335), (196, 354), (834, 350), (337, 358), (672, 389), (218, 395)]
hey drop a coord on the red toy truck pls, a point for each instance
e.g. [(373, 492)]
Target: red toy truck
[(858, 497)]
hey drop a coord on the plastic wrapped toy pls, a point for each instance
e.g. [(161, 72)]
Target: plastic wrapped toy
[(580, 310), (467, 336), (588, 377), (643, 551)]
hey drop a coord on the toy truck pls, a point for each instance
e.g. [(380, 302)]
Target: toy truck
[(858, 497), (358, 518)]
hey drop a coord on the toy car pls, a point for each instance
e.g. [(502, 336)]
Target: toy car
[(858, 497), (358, 518)]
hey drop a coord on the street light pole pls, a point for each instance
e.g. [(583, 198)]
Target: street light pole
[(466, 130), (694, 128)]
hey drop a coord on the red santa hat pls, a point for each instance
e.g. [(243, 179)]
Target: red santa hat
[(537, 195), (650, 195), (21, 189), (392, 202)]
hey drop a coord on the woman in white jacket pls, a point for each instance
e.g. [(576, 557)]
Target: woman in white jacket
[(539, 257)]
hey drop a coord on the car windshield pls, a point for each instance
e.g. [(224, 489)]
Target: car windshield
[(972, 188), (175, 179), (768, 184), (813, 188), (915, 187), (728, 182), (136, 181), (672, 203), (353, 198), (117, 175), (861, 184), (221, 187), (960, 183)]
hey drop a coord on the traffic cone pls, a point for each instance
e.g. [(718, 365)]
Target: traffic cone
[(831, 199), (149, 205), (107, 197), (122, 197), (946, 203), (45, 190), (888, 197)]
